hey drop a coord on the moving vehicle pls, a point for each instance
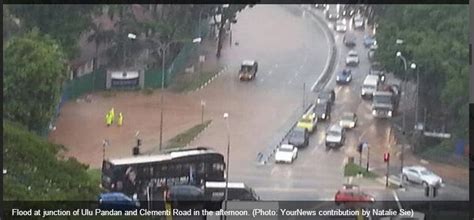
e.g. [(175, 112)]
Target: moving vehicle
[(299, 137), (370, 85), (248, 70), (320, 6), (176, 167), (348, 11), (420, 174), (117, 201), (344, 77), (349, 40), (214, 191), (340, 26), (358, 22), (369, 40), (385, 101), (185, 193), (376, 68), (287, 153), (348, 120), (352, 58), (308, 121), (332, 12), (326, 95), (322, 110), (352, 195), (371, 52), (335, 136)]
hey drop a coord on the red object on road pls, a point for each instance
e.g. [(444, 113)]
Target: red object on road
[(386, 157), (351, 195)]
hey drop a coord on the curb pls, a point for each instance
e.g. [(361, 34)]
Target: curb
[(210, 80), (321, 82), (199, 134)]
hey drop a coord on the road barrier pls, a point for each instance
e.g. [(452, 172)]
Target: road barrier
[(264, 156)]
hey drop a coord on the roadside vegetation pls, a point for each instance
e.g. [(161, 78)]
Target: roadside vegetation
[(435, 38), (181, 140), (352, 169), (193, 81)]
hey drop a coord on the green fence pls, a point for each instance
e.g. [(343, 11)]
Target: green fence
[(94, 81)]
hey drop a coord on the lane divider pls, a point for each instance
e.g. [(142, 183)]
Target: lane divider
[(210, 80)]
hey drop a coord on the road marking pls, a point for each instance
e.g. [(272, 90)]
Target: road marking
[(396, 199)]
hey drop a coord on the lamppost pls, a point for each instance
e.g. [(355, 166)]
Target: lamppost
[(226, 117), (105, 143), (163, 48), (203, 104), (413, 67), (399, 55)]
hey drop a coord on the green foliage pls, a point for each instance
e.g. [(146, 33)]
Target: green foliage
[(352, 169), (33, 74), (435, 38), (186, 137), (34, 171)]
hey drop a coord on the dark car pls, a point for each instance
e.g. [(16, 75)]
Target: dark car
[(344, 77), (185, 193), (117, 201), (327, 95), (299, 137), (369, 40), (349, 40), (371, 52), (322, 110), (377, 69)]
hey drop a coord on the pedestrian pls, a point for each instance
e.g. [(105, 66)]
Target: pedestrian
[(108, 119), (112, 115), (120, 119)]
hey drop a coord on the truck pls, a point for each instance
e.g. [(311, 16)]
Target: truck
[(385, 101)]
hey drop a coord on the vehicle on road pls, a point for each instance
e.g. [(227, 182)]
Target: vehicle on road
[(286, 153), (348, 120), (377, 69), (349, 40), (358, 22), (185, 193), (348, 11), (117, 201), (340, 26), (322, 110), (248, 70), (344, 77), (371, 52), (299, 137), (369, 86), (352, 195), (385, 101), (335, 136), (332, 12), (308, 121), (123, 174), (327, 95), (214, 191), (369, 40), (320, 6), (352, 58), (420, 174)]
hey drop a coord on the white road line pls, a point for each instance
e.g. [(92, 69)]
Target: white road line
[(396, 199)]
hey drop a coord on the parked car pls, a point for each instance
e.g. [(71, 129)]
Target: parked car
[(335, 136), (348, 120), (359, 22), (327, 95), (349, 40), (371, 52), (352, 58), (344, 77), (340, 26), (377, 69), (248, 70), (420, 174), (286, 153), (299, 137), (369, 40), (308, 121), (322, 110), (331, 12), (185, 193), (117, 201), (352, 195)]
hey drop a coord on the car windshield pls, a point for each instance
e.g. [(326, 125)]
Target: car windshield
[(285, 150), (297, 134), (425, 172), (347, 117), (334, 133), (324, 95), (305, 120), (368, 87), (382, 99), (352, 54), (246, 68), (320, 108), (345, 73)]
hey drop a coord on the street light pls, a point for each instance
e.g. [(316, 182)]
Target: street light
[(203, 104), (164, 47), (130, 36), (226, 117), (413, 67), (399, 55)]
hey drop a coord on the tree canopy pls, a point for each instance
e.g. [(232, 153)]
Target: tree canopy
[(34, 70)]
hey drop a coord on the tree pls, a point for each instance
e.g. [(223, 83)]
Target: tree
[(33, 75), (228, 14)]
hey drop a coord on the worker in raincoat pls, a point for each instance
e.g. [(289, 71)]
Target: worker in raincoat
[(112, 115), (108, 119), (120, 119)]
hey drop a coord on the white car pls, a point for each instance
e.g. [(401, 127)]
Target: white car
[(341, 26), (348, 120), (421, 175), (352, 58), (358, 22), (287, 153), (335, 136)]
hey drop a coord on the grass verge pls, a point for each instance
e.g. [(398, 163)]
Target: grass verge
[(95, 175), (181, 140), (193, 81), (352, 169)]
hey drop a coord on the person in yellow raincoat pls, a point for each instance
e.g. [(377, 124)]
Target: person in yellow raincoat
[(120, 119), (112, 115), (108, 119)]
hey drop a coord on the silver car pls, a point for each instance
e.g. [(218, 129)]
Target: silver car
[(352, 58), (419, 174)]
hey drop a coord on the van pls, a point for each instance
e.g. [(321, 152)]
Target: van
[(369, 86)]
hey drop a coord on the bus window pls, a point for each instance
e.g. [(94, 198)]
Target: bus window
[(201, 168)]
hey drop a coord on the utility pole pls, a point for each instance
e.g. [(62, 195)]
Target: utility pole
[(368, 154)]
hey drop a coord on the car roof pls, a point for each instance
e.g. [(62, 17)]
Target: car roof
[(348, 114), (286, 146), (371, 79), (352, 52), (248, 62), (418, 168), (335, 127)]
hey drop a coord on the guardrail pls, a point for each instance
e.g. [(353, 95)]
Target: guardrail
[(264, 156)]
